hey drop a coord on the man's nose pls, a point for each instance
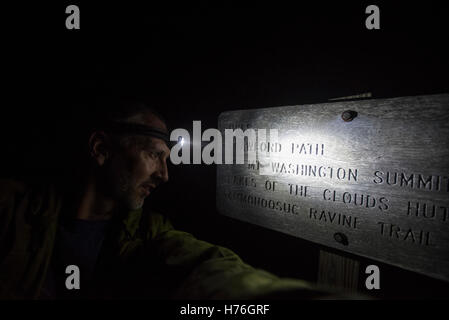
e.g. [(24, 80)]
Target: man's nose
[(162, 172)]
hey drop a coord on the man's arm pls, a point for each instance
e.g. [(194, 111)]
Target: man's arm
[(215, 272)]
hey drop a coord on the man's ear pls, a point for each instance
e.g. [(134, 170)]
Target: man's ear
[(99, 147)]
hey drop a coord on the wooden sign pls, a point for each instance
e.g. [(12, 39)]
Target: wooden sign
[(368, 177)]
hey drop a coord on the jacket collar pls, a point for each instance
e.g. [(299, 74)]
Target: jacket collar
[(131, 222)]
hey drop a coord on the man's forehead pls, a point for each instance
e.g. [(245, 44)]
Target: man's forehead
[(156, 143), (145, 124), (148, 119)]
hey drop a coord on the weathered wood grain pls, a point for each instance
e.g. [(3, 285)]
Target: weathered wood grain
[(344, 179)]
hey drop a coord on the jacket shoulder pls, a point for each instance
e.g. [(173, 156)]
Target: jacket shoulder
[(157, 224), (30, 197)]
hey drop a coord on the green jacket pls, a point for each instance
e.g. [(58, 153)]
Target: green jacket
[(143, 257)]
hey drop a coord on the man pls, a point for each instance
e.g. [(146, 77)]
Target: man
[(100, 228)]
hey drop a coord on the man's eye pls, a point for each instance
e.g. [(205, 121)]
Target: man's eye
[(154, 154)]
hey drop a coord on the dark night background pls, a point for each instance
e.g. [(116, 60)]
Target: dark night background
[(194, 63)]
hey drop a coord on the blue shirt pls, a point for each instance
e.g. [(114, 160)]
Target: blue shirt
[(78, 243)]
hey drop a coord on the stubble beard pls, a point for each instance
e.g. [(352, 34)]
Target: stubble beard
[(127, 192)]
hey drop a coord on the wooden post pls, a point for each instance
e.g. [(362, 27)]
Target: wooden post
[(338, 272)]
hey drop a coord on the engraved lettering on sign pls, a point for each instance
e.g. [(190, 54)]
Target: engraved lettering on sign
[(333, 217), (270, 185), (430, 211), (296, 190), (382, 179), (315, 171), (260, 202), (254, 165), (357, 199), (392, 231), (412, 180), (268, 147), (244, 181), (316, 149)]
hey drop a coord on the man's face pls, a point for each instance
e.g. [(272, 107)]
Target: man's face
[(135, 170)]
